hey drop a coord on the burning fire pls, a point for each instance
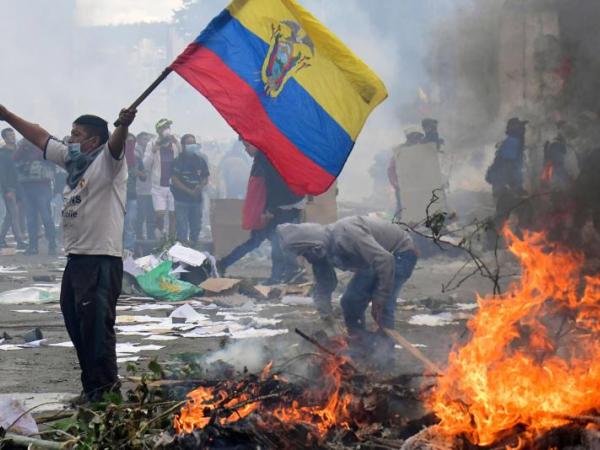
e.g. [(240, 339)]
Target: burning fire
[(547, 172), (319, 408), (534, 356)]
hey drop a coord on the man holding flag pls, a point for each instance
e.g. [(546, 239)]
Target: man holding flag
[(93, 217)]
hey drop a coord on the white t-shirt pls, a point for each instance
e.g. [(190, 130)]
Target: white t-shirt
[(94, 212)]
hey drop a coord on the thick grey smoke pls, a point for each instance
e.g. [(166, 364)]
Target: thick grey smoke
[(58, 64)]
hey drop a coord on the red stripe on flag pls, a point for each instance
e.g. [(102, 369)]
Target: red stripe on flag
[(239, 104)]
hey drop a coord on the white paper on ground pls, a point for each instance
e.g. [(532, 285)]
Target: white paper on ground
[(124, 308), (295, 300), (36, 295), (10, 411), (128, 347), (160, 337), (138, 319), (11, 270), (125, 359), (215, 329), (147, 263), (134, 333), (467, 306), (432, 320), (254, 333), (67, 344), (152, 307), (399, 347), (189, 314), (189, 256), (8, 347), (34, 344), (130, 266), (178, 270), (30, 311)]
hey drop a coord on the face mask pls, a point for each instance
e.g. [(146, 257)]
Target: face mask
[(192, 149), (166, 132), (74, 149)]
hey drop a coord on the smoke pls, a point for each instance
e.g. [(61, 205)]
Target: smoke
[(243, 354), (68, 57)]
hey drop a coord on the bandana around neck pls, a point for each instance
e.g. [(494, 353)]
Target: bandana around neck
[(77, 163)]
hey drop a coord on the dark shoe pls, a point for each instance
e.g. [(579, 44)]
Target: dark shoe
[(220, 268), (79, 400), (22, 246)]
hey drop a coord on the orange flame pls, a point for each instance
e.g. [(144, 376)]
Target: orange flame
[(320, 409), (534, 354), (547, 172)]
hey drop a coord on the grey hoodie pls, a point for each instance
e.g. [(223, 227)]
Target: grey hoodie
[(356, 244)]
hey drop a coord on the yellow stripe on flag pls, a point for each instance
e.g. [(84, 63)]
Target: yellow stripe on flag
[(335, 77)]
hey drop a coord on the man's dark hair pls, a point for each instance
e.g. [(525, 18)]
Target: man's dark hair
[(94, 126), (185, 137), (5, 132)]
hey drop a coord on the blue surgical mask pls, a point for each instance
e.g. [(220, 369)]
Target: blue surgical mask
[(192, 149), (74, 149)]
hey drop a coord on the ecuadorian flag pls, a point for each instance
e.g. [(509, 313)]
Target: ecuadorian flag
[(286, 84)]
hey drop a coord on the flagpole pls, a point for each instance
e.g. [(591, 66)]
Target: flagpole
[(165, 73)]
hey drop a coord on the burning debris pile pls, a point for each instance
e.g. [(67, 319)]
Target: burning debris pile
[(531, 369), (334, 407)]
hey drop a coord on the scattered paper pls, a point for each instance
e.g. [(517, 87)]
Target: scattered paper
[(11, 270), (30, 311), (32, 344), (178, 270), (13, 414), (255, 333), (138, 319), (189, 256), (128, 347), (152, 307), (214, 330), (467, 306), (147, 263), (295, 300), (31, 294), (131, 267), (432, 320), (160, 337), (67, 344), (134, 333), (9, 347), (399, 347), (124, 359), (189, 314)]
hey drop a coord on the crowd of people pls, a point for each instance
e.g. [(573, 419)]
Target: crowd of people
[(167, 185)]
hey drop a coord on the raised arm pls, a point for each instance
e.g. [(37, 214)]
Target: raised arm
[(30, 131), (116, 142)]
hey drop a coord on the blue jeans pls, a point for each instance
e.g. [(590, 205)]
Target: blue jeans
[(282, 263), (188, 220), (129, 226), (360, 291), (38, 197)]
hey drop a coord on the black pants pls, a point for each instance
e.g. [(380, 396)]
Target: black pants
[(88, 298)]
